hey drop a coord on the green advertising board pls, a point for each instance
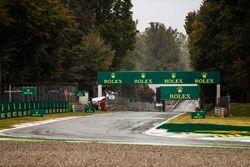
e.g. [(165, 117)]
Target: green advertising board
[(37, 113), (89, 109), (198, 115), (79, 93), (158, 77), (26, 91), (179, 92)]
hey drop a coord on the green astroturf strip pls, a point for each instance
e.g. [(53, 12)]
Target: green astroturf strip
[(210, 128)]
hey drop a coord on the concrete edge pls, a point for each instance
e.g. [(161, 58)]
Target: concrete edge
[(152, 129), (120, 142)]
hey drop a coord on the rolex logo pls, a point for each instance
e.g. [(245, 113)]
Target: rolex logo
[(113, 75), (180, 89), (173, 75), (143, 75), (204, 75)]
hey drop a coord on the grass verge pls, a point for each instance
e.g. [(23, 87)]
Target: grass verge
[(10, 122), (238, 124)]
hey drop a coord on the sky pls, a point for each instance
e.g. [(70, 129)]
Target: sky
[(169, 12)]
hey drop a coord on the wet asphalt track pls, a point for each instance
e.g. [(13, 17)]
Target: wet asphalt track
[(112, 127)]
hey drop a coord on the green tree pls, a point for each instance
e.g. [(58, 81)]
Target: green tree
[(91, 55), (32, 39), (160, 49), (115, 24), (163, 49), (138, 58), (218, 40)]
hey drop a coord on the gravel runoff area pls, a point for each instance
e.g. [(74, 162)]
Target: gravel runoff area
[(55, 154)]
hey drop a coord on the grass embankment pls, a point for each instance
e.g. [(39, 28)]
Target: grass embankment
[(10, 122), (239, 123)]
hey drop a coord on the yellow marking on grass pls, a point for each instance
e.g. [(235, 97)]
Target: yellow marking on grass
[(230, 132), (233, 121)]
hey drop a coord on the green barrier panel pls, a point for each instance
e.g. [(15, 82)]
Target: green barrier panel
[(198, 115), (36, 105), (19, 109), (2, 112), (12, 109), (36, 112), (70, 107), (7, 110), (89, 109), (57, 107), (45, 106), (29, 107), (48, 107), (25, 108), (42, 105), (32, 105), (16, 108), (54, 107), (25, 113), (60, 106), (51, 107), (55, 104), (65, 106)]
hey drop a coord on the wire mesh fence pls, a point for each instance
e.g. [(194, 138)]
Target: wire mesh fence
[(130, 104), (130, 97), (43, 92)]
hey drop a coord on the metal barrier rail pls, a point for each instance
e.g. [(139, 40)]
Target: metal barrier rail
[(21, 109)]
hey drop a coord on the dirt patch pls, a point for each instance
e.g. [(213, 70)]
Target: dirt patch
[(78, 154)]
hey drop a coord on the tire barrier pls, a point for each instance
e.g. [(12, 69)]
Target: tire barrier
[(22, 109)]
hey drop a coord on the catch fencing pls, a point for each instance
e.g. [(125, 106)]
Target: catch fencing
[(11, 92), (130, 104)]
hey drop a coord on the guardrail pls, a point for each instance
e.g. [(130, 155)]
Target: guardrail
[(21, 109)]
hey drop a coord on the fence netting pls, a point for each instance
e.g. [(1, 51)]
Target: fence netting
[(130, 97), (44, 92)]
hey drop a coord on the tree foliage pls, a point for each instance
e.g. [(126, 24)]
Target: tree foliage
[(62, 39), (30, 40), (115, 24), (91, 56), (218, 40), (160, 49)]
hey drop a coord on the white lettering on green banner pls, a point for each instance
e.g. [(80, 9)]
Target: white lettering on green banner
[(179, 92), (28, 91)]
